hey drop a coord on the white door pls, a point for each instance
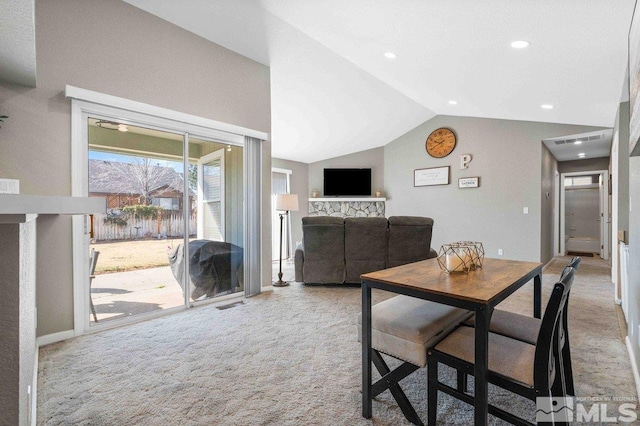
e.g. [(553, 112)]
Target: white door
[(211, 196), (605, 217), (624, 279)]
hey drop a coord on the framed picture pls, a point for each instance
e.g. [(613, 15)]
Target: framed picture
[(431, 176), (469, 182), (634, 82)]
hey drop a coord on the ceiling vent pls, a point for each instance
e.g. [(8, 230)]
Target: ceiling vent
[(590, 138)]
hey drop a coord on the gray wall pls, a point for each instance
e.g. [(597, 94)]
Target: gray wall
[(507, 156), (112, 47), (371, 158), (622, 126), (300, 186), (585, 165), (634, 257), (17, 320), (548, 173), (629, 214)]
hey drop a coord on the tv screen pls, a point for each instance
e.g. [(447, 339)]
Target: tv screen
[(347, 182)]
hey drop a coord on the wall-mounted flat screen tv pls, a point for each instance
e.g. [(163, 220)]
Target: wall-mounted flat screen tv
[(347, 182)]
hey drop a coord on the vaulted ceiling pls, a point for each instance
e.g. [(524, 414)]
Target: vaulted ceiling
[(334, 92)]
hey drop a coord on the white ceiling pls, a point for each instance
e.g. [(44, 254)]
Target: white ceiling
[(333, 92), (591, 144)]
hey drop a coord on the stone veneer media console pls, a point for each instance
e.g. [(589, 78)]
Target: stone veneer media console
[(347, 207)]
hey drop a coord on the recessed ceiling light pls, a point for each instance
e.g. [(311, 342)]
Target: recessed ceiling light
[(577, 142), (520, 44), (546, 106), (582, 154), (452, 102), (390, 55)]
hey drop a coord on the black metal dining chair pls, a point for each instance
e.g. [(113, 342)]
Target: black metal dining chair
[(526, 329), (519, 367)]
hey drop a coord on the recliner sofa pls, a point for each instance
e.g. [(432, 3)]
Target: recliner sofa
[(337, 250)]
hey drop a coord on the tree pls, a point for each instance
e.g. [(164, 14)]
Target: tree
[(140, 178), (193, 178)]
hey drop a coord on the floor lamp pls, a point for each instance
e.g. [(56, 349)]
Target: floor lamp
[(285, 203)]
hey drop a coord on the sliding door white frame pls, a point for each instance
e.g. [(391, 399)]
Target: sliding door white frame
[(85, 103)]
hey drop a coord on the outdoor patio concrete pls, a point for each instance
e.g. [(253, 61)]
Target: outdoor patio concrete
[(123, 294)]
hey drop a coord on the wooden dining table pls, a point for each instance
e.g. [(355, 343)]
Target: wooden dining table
[(479, 290)]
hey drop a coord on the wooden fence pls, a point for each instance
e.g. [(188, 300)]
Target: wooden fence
[(169, 224)]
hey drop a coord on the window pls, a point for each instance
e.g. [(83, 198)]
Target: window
[(166, 203)]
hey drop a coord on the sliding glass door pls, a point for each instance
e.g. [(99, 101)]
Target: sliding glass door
[(173, 232), (219, 247), (140, 172)]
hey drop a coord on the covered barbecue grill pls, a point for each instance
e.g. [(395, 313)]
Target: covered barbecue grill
[(215, 267)]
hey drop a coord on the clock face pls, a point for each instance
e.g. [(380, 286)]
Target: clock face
[(441, 142)]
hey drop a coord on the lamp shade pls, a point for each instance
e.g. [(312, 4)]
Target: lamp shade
[(287, 202)]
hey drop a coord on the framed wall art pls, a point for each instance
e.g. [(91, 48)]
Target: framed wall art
[(431, 176), (469, 182)]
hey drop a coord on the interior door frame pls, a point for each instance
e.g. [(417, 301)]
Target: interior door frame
[(556, 215), (85, 103), (604, 210)]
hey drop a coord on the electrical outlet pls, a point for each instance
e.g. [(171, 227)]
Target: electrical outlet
[(500, 252), (525, 210)]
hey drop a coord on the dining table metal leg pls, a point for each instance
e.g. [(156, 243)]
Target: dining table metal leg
[(537, 296), (366, 351), (481, 366)]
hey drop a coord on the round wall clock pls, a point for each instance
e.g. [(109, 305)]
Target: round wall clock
[(441, 142)]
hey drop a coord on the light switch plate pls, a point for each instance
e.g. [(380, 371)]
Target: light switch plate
[(9, 186)]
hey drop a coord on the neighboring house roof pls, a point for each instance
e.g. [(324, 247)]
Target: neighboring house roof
[(112, 177)]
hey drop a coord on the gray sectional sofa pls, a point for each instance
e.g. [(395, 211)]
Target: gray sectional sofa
[(336, 250)]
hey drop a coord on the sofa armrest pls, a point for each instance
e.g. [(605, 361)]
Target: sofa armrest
[(299, 262), (432, 254)]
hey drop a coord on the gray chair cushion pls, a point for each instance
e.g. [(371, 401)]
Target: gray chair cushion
[(323, 250), (298, 262), (514, 325), (405, 327), (507, 357), (409, 240), (365, 245)]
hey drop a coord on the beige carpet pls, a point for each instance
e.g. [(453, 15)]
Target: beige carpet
[(288, 357)]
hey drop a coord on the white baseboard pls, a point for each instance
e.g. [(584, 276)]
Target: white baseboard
[(634, 366), (267, 288), (55, 337)]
